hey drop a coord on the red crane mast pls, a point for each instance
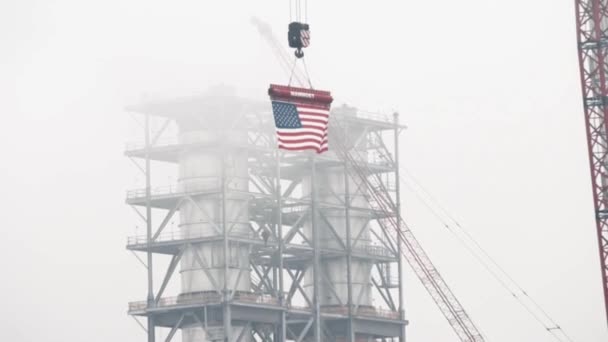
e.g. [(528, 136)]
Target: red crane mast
[(592, 32)]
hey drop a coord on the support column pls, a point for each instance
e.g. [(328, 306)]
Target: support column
[(279, 194), (150, 298), (226, 295), (351, 333), (316, 252), (398, 213)]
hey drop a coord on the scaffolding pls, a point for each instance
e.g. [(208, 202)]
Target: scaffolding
[(272, 245)]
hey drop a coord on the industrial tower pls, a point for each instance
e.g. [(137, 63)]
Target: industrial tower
[(271, 245)]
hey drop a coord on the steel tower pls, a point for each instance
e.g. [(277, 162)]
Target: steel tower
[(271, 245), (592, 32)]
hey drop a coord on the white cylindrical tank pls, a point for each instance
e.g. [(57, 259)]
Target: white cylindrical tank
[(200, 170)]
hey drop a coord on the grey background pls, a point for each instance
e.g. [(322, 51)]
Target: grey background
[(489, 90)]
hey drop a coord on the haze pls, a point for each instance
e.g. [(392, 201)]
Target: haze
[(489, 90)]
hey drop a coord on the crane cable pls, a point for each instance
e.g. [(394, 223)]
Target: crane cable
[(479, 253), (298, 17)]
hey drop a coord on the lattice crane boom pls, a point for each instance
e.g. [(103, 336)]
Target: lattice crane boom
[(592, 32)]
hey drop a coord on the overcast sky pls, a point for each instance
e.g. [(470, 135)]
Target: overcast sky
[(489, 90)]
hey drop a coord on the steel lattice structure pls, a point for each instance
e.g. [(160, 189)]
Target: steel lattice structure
[(592, 30), (271, 246)]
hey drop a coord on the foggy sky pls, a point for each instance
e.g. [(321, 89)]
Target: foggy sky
[(489, 90)]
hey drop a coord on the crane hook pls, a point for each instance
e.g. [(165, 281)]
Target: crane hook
[(298, 36)]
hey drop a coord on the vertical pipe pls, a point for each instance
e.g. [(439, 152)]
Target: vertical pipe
[(351, 334), (150, 299), (226, 301), (275, 275), (315, 250), (205, 323), (398, 213), (279, 195)]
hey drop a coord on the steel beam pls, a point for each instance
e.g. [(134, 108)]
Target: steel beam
[(282, 337), (386, 296), (332, 230), (295, 285), (398, 205), (296, 227), (349, 256), (305, 330), (227, 318), (151, 303), (167, 219), (217, 228), (316, 252), (174, 329), (243, 332), (160, 132), (202, 261), (170, 269)]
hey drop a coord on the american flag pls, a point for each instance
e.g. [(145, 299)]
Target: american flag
[(300, 126), (305, 36)]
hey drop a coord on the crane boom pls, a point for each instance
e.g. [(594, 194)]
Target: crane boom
[(592, 32)]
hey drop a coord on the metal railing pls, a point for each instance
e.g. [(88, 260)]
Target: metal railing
[(189, 235), (366, 115), (205, 299), (211, 298), (248, 297), (373, 250), (365, 311), (374, 116), (173, 236), (133, 146), (206, 184), (140, 145), (377, 312), (156, 191)]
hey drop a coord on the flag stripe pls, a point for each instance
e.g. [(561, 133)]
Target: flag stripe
[(291, 134), (310, 110), (313, 121), (294, 131), (303, 140), (315, 115), (299, 144), (302, 136), (297, 147)]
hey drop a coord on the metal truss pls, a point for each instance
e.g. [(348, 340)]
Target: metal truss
[(592, 31), (278, 308)]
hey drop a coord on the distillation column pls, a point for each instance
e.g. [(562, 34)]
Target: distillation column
[(203, 170)]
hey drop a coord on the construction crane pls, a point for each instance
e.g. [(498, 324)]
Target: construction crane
[(414, 254), (592, 32)]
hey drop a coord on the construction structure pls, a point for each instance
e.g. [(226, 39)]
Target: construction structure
[(271, 245), (592, 39)]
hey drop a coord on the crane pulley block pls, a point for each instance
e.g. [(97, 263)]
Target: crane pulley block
[(298, 37)]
